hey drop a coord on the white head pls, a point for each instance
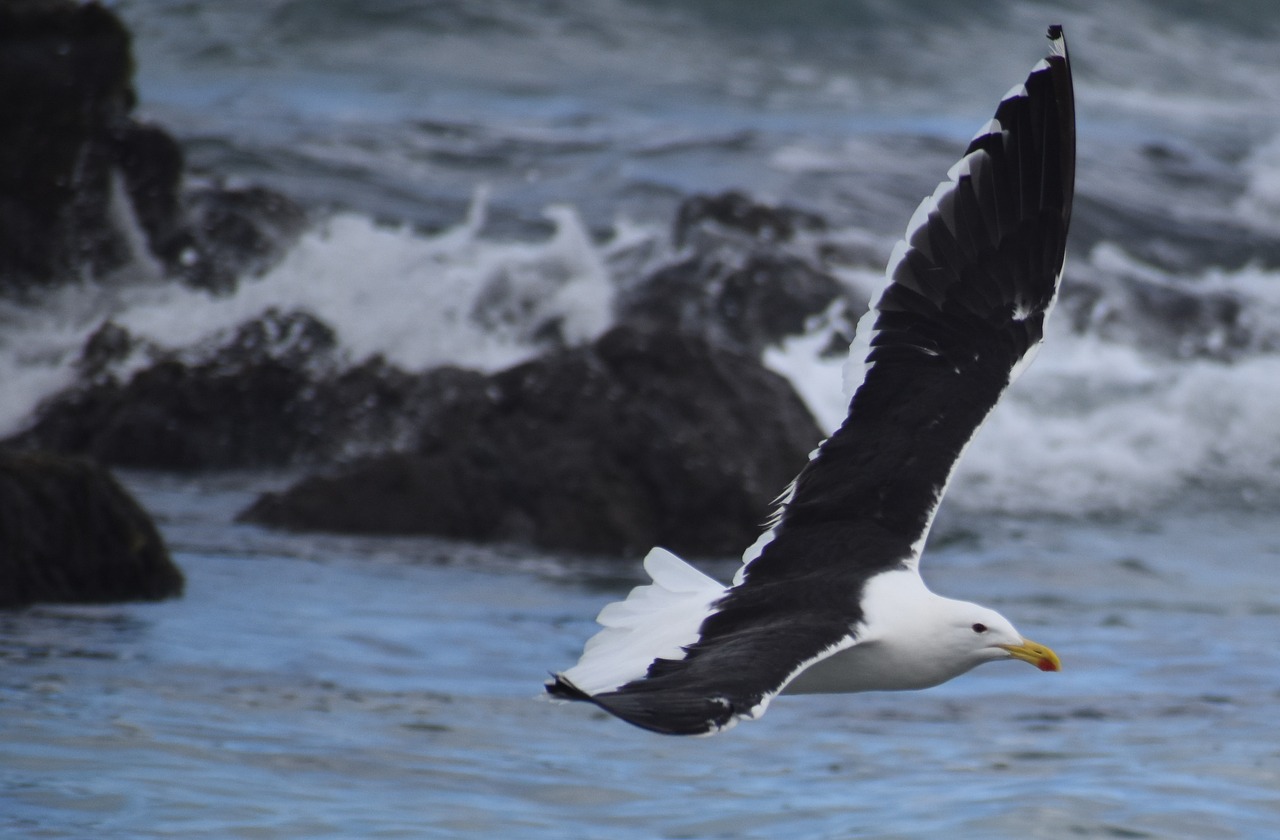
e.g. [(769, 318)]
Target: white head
[(976, 634), (916, 639)]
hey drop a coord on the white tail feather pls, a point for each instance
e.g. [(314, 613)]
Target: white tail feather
[(656, 621)]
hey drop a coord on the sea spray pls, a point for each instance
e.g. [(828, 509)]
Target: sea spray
[(420, 302)]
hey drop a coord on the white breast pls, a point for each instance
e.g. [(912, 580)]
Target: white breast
[(904, 642)]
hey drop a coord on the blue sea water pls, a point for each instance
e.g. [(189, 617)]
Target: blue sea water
[(401, 107), (338, 687), (1121, 505)]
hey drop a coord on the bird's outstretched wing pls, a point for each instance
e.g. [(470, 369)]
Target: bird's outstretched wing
[(966, 297)]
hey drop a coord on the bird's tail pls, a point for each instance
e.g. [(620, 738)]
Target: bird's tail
[(655, 621)]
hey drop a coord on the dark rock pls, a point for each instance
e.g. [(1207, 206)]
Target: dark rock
[(232, 233), (643, 438), (736, 212), (271, 393), (746, 306), (66, 84), (1178, 321), (85, 189), (236, 406), (171, 416), (150, 162), (108, 346), (1165, 241), (375, 407), (1186, 323), (738, 280), (70, 533)]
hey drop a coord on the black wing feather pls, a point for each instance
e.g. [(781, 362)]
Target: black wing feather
[(964, 305)]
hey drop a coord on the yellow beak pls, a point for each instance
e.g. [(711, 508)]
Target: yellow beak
[(1037, 654)]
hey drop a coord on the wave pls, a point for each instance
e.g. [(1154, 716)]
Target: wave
[(1096, 427), (1103, 424), (1100, 423), (1157, 377), (418, 301), (608, 104)]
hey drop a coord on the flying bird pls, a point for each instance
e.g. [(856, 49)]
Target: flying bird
[(830, 598)]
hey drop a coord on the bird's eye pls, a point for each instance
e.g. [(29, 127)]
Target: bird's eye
[(979, 628)]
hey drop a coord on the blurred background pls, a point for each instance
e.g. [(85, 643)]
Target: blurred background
[(442, 268), (472, 184)]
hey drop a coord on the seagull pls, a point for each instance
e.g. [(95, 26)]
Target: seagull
[(830, 598)]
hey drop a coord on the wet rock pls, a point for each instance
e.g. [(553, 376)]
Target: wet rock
[(86, 189), (745, 305), (70, 533), (231, 233), (108, 346), (1165, 241), (150, 163), (273, 392), (730, 213), (738, 279), (1177, 321), (66, 88), (1184, 323), (646, 437), (234, 406)]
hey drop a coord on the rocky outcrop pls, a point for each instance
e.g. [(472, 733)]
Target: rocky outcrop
[(86, 189), (745, 302), (228, 233), (713, 217), (69, 533), (645, 437), (667, 430), (66, 84), (1177, 320), (278, 390), (273, 392), (738, 277)]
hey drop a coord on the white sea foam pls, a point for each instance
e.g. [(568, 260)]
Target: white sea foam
[(818, 380), (455, 298), (419, 301), (1260, 202), (38, 348), (1095, 426), (1256, 289)]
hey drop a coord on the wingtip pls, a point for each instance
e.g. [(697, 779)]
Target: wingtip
[(670, 718), (561, 688), (1057, 41)]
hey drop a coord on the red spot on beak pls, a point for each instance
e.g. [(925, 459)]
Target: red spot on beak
[(1047, 665)]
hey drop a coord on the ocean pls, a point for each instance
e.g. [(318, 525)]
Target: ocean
[(1120, 505)]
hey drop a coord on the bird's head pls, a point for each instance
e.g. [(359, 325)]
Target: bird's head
[(988, 636)]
